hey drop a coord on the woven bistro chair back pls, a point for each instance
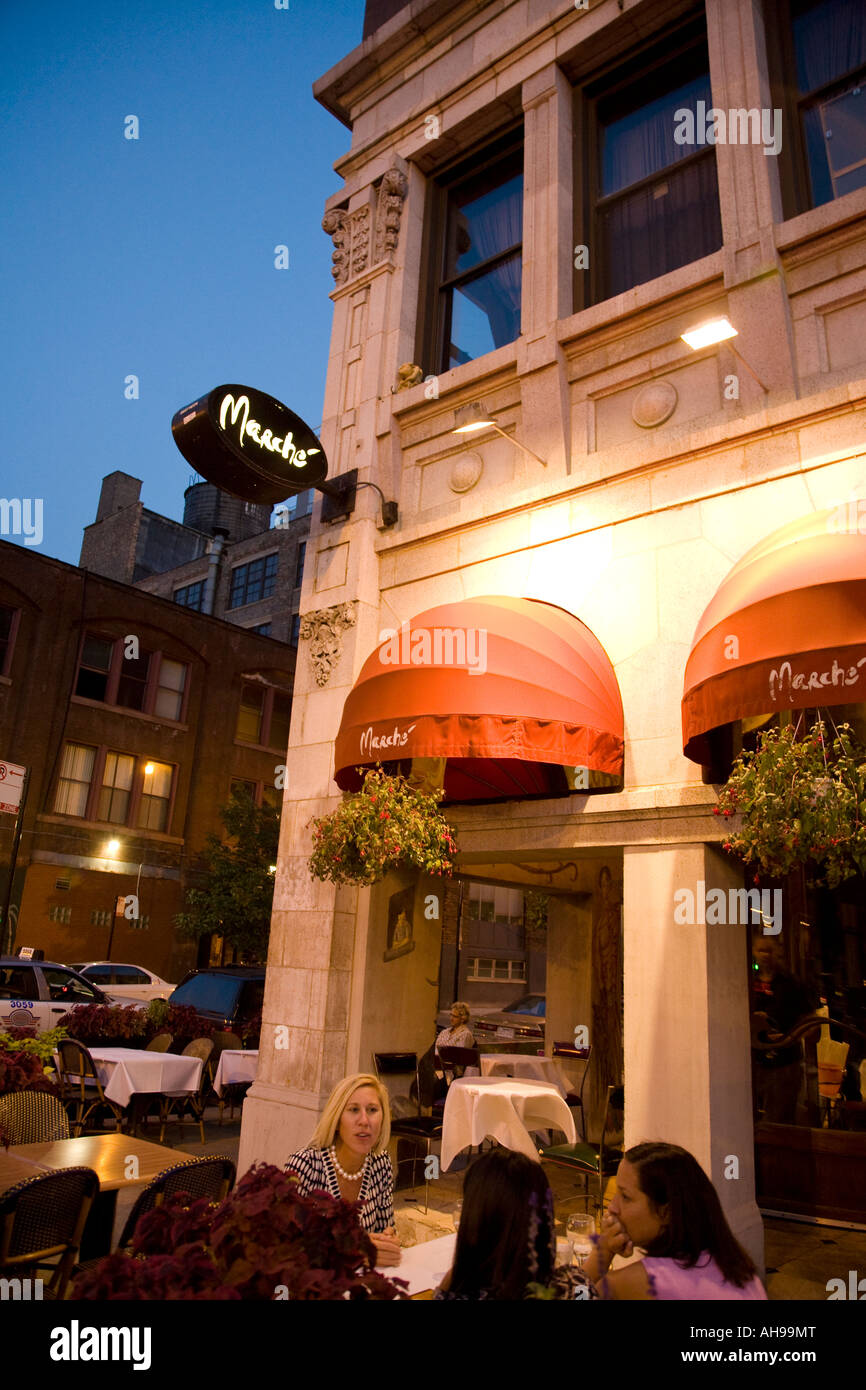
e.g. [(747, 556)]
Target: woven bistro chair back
[(161, 1042), (81, 1086), (199, 1177), (43, 1218), (33, 1117)]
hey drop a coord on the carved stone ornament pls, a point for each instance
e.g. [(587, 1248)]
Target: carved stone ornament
[(389, 209), (360, 240), (653, 404), (324, 631), (336, 224)]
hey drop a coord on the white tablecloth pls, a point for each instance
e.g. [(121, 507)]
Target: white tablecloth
[(501, 1109), (235, 1066), (125, 1072), (423, 1266), (527, 1068)]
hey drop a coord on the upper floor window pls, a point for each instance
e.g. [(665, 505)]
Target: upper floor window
[(190, 596), (263, 629), (651, 191), (820, 70), (253, 581), (117, 788), (264, 716), (296, 629), (299, 567), (476, 243), (147, 681), (8, 624)]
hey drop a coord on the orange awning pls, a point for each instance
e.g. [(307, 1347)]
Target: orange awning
[(785, 630), (511, 692)]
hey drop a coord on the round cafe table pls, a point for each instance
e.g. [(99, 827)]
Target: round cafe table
[(526, 1067), (501, 1108)]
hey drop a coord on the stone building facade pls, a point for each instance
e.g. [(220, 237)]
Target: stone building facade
[(626, 475)]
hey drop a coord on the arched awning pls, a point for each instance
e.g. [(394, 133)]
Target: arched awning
[(513, 694), (785, 630)]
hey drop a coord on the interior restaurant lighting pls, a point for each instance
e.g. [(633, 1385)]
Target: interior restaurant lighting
[(719, 330), (472, 417)]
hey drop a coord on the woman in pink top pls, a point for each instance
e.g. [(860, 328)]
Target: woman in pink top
[(666, 1205)]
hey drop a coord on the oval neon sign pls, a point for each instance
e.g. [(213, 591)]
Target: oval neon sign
[(249, 444)]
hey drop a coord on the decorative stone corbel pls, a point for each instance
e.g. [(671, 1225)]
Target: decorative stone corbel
[(389, 209), (324, 630), (336, 224)]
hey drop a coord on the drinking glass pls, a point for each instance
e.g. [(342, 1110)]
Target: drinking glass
[(581, 1229)]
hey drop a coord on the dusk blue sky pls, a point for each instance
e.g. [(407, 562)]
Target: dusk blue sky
[(155, 256)]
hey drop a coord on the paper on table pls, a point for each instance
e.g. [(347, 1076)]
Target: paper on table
[(423, 1266)]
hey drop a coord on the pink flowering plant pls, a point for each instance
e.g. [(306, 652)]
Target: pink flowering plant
[(386, 825), (799, 801)]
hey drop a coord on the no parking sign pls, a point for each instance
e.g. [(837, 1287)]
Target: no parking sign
[(11, 784)]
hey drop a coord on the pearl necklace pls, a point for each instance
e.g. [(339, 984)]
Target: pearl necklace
[(350, 1177)]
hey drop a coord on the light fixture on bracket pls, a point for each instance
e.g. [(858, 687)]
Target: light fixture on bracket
[(472, 417), (719, 330), (338, 498)]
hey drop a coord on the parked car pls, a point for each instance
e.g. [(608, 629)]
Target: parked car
[(226, 995), (521, 1021), (125, 981), (36, 994)]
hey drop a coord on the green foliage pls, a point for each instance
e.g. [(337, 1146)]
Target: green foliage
[(535, 907), (801, 802), (43, 1046), (385, 825), (158, 1011), (236, 904)]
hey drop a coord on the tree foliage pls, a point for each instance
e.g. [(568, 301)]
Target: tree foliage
[(236, 901)]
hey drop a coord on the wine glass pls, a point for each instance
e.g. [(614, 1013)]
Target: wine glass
[(581, 1229)]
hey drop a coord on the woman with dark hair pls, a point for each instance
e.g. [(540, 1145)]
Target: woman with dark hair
[(506, 1240), (666, 1205)]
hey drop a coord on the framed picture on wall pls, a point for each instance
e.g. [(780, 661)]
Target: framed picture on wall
[(400, 926)]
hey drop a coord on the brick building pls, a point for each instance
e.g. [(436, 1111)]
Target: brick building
[(225, 558), (135, 716)]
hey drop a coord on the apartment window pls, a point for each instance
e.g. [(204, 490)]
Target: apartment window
[(242, 788), (102, 784), (190, 596), (149, 681), (99, 918), (299, 568), (60, 914), (476, 245), (259, 793), (117, 775), (8, 624), (73, 786), (651, 190), (296, 629), (820, 80), (156, 797), (263, 629), (487, 969), (264, 716), (253, 581)]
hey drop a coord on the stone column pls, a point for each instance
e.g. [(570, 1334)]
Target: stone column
[(687, 1058)]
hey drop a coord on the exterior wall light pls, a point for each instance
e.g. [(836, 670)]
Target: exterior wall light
[(714, 331), (472, 417), (112, 847)]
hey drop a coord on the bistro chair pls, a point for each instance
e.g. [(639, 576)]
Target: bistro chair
[(81, 1087), (397, 1070), (597, 1161), (198, 1177), (574, 1099), (455, 1060), (196, 1101), (227, 1042), (33, 1117), (161, 1042), (42, 1220)]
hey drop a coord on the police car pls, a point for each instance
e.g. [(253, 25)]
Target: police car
[(36, 994)]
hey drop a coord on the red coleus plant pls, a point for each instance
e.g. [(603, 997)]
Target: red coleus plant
[(265, 1241), (119, 1025), (385, 825)]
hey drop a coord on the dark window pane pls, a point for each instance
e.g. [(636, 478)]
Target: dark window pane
[(299, 568), (829, 40), (190, 596), (281, 717), (641, 142), (835, 132), (133, 681), (660, 226), (484, 226), (92, 680), (240, 787), (296, 629), (6, 616), (485, 313), (249, 725)]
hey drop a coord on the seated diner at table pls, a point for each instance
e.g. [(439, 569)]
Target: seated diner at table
[(666, 1206), (348, 1157), (506, 1240)]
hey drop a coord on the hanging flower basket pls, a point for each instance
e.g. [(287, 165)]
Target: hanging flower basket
[(386, 825), (801, 801)]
